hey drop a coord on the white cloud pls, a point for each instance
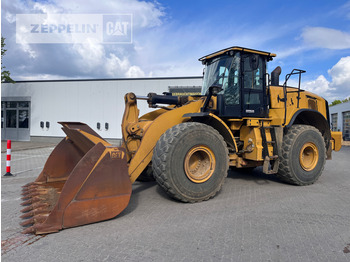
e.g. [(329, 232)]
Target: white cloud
[(338, 87), (26, 47), (320, 86), (41, 77), (11, 18), (145, 14), (341, 73), (134, 71), (326, 38), (48, 8), (115, 66), (88, 56), (290, 51), (88, 60)]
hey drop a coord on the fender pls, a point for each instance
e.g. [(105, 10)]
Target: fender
[(215, 122), (314, 118)]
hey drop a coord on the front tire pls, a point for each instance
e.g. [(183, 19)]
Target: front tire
[(303, 155), (190, 162)]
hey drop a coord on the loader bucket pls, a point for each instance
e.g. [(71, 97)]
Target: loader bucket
[(84, 180)]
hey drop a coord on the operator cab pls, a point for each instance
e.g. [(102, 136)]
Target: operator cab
[(240, 74)]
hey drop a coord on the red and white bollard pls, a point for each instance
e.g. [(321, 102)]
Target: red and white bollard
[(8, 159)]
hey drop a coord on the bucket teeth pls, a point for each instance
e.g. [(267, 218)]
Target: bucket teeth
[(38, 219), (34, 206), (36, 211), (31, 195), (34, 193), (39, 200), (26, 203), (32, 184), (28, 185), (26, 192), (27, 222), (32, 201), (29, 190), (34, 190), (27, 215), (27, 209), (29, 230)]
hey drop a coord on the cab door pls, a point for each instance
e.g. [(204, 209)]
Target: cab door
[(229, 100), (254, 98)]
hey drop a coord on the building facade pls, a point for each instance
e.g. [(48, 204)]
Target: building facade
[(33, 108), (340, 119)]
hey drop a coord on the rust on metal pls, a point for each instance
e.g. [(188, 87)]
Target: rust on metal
[(85, 180)]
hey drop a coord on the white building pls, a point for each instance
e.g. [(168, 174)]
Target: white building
[(340, 119), (33, 108)]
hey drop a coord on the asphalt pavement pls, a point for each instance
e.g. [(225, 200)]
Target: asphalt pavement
[(255, 217)]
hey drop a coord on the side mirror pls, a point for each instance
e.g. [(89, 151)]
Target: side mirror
[(214, 90)]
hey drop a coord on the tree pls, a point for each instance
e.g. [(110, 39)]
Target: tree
[(5, 74), (346, 100), (335, 102)]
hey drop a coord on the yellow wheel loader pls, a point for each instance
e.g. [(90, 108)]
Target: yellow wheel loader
[(243, 119)]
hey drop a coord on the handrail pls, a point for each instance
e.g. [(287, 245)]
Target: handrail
[(294, 72)]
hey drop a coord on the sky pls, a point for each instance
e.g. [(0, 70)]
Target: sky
[(168, 37)]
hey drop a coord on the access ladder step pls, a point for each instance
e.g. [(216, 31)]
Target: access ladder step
[(272, 157), (274, 166)]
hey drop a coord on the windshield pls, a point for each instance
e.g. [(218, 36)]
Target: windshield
[(221, 71)]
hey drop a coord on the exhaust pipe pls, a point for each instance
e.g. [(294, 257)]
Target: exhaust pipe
[(275, 76)]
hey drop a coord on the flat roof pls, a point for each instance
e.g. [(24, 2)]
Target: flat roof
[(236, 48), (110, 79)]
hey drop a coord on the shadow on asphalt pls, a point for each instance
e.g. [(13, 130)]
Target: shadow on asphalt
[(256, 175), (135, 194)]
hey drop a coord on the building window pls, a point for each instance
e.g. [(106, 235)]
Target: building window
[(334, 122), (23, 118), (11, 118), (346, 126)]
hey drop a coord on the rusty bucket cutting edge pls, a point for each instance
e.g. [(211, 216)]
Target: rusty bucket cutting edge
[(85, 180)]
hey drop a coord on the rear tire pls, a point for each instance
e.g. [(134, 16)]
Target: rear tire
[(190, 162), (303, 155)]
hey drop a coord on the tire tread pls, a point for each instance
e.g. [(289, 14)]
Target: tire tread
[(161, 156), (284, 171)]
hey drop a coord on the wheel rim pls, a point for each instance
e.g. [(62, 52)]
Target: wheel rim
[(308, 156), (199, 164)]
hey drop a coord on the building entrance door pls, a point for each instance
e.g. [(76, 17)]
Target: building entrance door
[(15, 117)]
